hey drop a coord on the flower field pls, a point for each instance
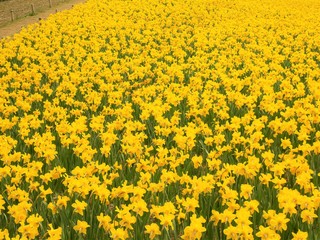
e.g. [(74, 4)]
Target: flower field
[(163, 119)]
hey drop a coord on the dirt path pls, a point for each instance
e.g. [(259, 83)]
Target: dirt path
[(15, 27)]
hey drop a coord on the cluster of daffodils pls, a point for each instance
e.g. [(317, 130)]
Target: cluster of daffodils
[(163, 119)]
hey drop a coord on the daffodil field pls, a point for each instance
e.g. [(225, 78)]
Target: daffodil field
[(163, 119)]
